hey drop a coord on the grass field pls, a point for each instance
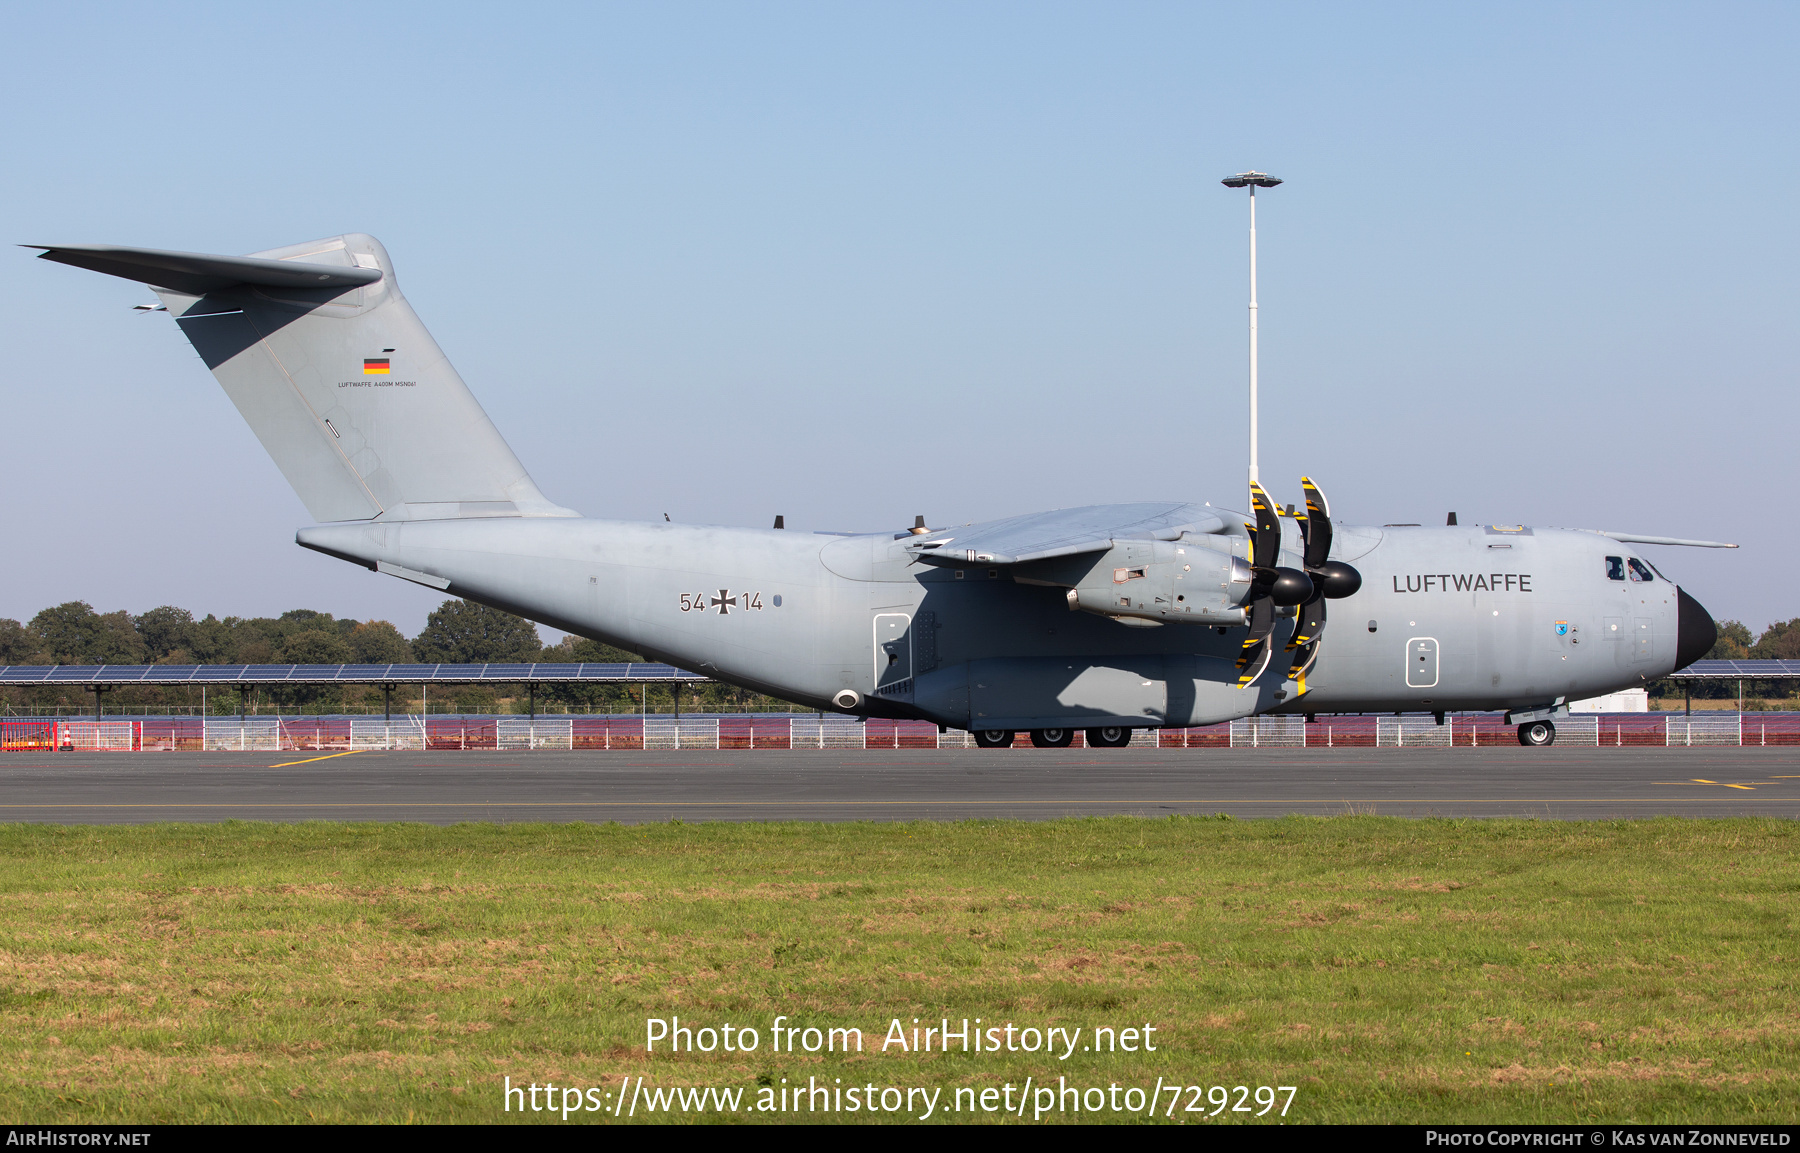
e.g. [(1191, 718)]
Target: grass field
[(1391, 970)]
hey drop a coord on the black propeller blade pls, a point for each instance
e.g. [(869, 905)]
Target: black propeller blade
[(1253, 659), (1284, 586), (1272, 586), (1315, 530), (1315, 527), (1337, 579), (1331, 579), (1265, 538)]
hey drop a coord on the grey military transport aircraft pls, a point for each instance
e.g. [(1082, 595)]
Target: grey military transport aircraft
[(1106, 618)]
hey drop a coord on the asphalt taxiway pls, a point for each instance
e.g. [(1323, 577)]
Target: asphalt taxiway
[(888, 785)]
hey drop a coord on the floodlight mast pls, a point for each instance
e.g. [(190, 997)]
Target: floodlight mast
[(1252, 180)]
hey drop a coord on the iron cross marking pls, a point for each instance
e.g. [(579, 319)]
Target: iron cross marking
[(723, 601)]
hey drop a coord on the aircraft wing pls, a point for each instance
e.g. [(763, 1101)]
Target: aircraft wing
[(1064, 532), (1636, 538)]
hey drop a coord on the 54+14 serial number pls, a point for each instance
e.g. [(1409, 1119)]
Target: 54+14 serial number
[(724, 601)]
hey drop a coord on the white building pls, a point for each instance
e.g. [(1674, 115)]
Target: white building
[(1623, 701)]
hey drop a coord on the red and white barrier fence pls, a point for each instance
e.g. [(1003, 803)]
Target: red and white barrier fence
[(830, 731), (72, 736)]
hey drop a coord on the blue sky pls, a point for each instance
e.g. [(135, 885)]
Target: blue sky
[(850, 263)]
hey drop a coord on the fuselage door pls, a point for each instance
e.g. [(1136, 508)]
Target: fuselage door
[(893, 653), (1421, 663)]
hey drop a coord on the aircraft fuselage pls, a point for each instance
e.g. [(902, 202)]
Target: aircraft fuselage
[(1454, 618)]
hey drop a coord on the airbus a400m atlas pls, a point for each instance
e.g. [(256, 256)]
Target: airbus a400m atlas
[(1106, 618)]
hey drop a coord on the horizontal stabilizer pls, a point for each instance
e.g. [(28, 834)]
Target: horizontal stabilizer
[(197, 274)]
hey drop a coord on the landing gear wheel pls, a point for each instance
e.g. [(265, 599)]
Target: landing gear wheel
[(1108, 738), (1051, 738), (993, 738), (1535, 733)]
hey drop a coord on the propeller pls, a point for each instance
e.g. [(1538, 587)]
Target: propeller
[(1271, 587), (1331, 580)]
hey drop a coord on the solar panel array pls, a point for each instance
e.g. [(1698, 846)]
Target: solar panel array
[(1735, 670), (608, 673)]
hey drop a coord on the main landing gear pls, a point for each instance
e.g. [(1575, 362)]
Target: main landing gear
[(1104, 738), (1535, 733)]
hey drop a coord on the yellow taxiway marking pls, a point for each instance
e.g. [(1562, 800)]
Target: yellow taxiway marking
[(310, 760), (1721, 784)]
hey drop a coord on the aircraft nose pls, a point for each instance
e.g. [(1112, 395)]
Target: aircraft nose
[(1695, 633)]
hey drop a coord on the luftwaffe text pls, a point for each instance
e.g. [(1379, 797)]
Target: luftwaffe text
[(1462, 582)]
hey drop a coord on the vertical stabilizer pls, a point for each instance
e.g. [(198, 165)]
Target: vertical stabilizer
[(337, 377)]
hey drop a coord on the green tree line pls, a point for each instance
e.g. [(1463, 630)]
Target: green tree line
[(457, 632), (1779, 642)]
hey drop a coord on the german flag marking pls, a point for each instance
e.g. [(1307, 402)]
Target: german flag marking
[(375, 366)]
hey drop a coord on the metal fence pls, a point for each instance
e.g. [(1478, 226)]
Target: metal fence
[(1269, 732), (1615, 730), (324, 734), (1727, 730)]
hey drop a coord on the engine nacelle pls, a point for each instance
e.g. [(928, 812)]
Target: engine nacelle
[(1198, 580)]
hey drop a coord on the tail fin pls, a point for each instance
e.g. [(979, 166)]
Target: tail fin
[(337, 377)]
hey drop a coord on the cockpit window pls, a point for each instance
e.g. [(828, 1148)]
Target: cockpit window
[(1615, 568), (1639, 572)]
